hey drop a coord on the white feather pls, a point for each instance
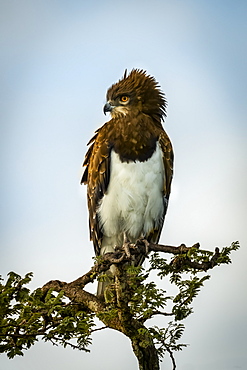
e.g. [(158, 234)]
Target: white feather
[(134, 201)]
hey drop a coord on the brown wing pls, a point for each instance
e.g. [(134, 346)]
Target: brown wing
[(168, 157), (96, 176)]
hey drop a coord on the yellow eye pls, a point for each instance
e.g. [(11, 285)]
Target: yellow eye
[(124, 98)]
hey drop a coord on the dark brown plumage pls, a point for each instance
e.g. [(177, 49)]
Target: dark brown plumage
[(133, 135)]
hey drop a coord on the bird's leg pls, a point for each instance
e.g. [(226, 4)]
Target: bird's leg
[(126, 246)]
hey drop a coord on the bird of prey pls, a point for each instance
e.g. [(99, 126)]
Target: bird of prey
[(129, 166)]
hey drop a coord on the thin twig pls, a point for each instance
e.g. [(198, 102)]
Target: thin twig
[(98, 329), (171, 357)]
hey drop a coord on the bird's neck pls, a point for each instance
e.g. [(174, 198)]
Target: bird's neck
[(134, 137)]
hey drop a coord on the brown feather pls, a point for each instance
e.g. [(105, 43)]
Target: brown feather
[(133, 136)]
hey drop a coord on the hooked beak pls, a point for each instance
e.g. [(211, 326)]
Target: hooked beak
[(107, 108)]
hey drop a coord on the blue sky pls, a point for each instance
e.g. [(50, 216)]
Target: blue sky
[(57, 60)]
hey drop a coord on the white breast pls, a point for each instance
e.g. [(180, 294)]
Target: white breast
[(134, 201)]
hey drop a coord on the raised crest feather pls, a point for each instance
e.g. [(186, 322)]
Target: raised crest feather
[(125, 73)]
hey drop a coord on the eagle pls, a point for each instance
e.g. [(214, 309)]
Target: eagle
[(129, 166)]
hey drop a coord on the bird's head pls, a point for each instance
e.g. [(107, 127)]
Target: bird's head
[(134, 93)]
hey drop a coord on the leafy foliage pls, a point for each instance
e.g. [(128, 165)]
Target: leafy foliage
[(144, 297), (25, 316), (166, 338), (66, 317)]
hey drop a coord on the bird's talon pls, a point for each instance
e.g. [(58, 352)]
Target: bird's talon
[(126, 247), (144, 242)]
